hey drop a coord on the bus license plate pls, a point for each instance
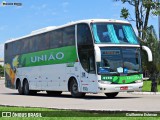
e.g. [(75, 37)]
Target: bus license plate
[(124, 88)]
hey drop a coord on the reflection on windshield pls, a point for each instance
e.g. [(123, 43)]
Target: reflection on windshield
[(114, 33), (119, 60)]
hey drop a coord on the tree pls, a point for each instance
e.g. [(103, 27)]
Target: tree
[(154, 67), (1, 71), (142, 9)]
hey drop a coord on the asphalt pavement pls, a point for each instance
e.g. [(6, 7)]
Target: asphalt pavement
[(98, 102)]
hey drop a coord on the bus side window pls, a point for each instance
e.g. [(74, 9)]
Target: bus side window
[(56, 39), (69, 36)]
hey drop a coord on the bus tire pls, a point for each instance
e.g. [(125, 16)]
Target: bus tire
[(20, 88), (74, 89), (54, 93), (111, 95), (26, 87)]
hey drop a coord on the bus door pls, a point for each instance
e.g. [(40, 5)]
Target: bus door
[(87, 74)]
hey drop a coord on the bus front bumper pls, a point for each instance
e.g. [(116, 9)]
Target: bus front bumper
[(108, 88)]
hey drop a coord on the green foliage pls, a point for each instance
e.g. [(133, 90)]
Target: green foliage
[(153, 44), (124, 13), (147, 86), (1, 71)]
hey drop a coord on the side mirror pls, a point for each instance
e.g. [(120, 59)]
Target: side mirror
[(97, 53), (149, 53)]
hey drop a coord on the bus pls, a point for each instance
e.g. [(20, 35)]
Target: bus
[(86, 56)]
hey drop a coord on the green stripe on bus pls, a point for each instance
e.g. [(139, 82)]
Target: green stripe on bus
[(122, 79), (48, 57)]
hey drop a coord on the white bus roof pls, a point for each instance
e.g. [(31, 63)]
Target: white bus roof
[(50, 28)]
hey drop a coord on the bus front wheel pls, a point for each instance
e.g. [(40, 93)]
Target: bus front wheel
[(74, 89), (111, 95)]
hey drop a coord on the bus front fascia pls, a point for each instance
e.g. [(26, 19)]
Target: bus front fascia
[(145, 48)]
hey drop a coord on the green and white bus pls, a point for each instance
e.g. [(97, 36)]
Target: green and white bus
[(86, 56)]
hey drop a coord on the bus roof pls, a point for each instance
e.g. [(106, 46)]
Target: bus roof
[(50, 28)]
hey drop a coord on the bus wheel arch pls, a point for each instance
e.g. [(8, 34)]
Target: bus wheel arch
[(73, 88), (69, 82), (19, 86)]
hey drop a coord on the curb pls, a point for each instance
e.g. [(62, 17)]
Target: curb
[(145, 93)]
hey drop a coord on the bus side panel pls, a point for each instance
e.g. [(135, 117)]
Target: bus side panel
[(48, 77), (31, 65)]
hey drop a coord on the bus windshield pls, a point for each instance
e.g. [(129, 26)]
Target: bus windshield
[(114, 33), (119, 60)]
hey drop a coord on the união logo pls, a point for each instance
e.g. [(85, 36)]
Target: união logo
[(57, 56)]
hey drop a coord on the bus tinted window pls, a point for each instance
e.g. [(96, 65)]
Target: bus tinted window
[(53, 39), (43, 41), (56, 39), (84, 35), (25, 46), (69, 36), (33, 44)]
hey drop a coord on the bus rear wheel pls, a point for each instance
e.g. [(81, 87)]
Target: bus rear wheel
[(74, 89), (54, 93), (26, 88), (20, 89), (111, 95)]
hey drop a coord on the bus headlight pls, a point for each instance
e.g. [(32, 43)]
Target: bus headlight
[(104, 82), (138, 81)]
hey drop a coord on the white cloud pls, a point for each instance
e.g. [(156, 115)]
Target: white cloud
[(41, 7), (44, 6), (3, 27), (116, 16), (117, 4), (54, 13), (65, 4)]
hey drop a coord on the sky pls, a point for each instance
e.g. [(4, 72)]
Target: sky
[(17, 21)]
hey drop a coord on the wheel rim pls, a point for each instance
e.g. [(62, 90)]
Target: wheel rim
[(26, 88), (75, 88), (19, 87)]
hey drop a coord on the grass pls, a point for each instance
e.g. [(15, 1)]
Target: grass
[(73, 115), (147, 86)]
